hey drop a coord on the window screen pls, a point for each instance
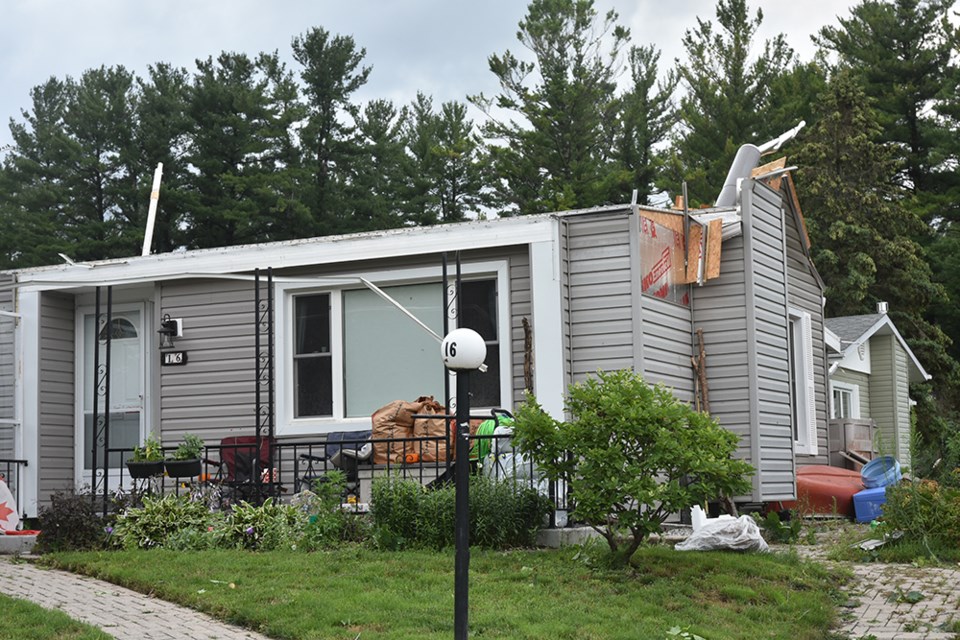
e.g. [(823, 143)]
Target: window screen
[(312, 364), (386, 356)]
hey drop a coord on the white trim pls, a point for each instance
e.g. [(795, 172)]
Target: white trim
[(804, 382), (29, 305), (547, 312), (287, 424), (81, 475), (854, 399), (915, 374), (494, 233)]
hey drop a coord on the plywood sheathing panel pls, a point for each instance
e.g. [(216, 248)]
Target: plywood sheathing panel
[(671, 221), (775, 181), (693, 253), (714, 241)]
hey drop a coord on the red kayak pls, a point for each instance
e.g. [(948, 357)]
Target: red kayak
[(823, 489)]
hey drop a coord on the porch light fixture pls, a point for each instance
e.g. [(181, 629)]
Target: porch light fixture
[(170, 328)]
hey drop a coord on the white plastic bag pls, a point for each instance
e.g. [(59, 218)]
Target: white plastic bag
[(739, 534)]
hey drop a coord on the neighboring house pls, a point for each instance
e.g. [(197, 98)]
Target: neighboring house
[(871, 369), (607, 288)]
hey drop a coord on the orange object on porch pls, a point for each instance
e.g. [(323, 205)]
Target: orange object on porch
[(823, 489), (412, 458)]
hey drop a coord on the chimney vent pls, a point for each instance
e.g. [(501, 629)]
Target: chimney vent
[(882, 307)]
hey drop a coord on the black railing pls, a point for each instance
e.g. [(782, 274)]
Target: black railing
[(231, 471), (10, 472)]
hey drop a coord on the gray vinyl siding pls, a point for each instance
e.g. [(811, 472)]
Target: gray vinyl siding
[(903, 405), (667, 345), (862, 382), (519, 309), (806, 293), (7, 373), (743, 314), (719, 309), (770, 376), (600, 293), (889, 397), (57, 394), (213, 395)]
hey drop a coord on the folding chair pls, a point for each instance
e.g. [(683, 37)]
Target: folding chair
[(244, 475), (344, 451)]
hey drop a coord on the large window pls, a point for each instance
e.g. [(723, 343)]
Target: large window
[(352, 351)]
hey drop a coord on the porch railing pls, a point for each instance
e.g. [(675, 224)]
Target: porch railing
[(234, 471), (11, 470)]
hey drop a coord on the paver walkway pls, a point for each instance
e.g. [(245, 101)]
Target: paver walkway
[(897, 601), (124, 614)]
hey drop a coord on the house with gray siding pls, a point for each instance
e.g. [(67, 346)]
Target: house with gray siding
[(555, 296), (871, 369)]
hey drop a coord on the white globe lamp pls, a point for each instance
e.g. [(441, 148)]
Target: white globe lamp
[(463, 350)]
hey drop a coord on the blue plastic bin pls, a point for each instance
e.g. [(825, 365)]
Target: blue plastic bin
[(868, 504), (881, 472)]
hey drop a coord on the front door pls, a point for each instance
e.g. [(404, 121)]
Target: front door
[(125, 404)]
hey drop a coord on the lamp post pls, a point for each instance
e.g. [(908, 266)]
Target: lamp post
[(463, 351)]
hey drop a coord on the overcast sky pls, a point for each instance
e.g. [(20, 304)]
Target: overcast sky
[(436, 46)]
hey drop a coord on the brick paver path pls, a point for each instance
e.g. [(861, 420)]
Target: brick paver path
[(897, 601), (124, 614), (901, 602)]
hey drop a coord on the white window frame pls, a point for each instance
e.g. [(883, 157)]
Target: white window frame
[(854, 392), (803, 380), (287, 424)]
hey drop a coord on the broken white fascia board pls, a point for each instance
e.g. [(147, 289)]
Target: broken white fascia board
[(315, 251)]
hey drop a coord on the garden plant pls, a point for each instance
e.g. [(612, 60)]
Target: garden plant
[(632, 454)]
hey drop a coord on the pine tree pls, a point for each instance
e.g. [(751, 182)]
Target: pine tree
[(331, 73), (645, 116), (727, 101), (445, 179), (903, 52), (555, 154), (861, 234)]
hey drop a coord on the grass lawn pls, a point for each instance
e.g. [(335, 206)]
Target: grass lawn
[(521, 594), (26, 621)]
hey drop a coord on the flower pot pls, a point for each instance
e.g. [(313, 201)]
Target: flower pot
[(183, 468), (145, 468)]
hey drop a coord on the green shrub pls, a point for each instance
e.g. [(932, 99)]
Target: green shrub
[(632, 455), (70, 523), (775, 529), (328, 523), (437, 516), (505, 514), (165, 521), (394, 505), (926, 512), (269, 527), (502, 514)]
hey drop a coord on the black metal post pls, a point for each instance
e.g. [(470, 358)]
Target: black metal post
[(461, 585), (106, 401), (95, 409)]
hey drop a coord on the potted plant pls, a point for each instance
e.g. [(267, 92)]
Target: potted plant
[(185, 461), (147, 459)]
